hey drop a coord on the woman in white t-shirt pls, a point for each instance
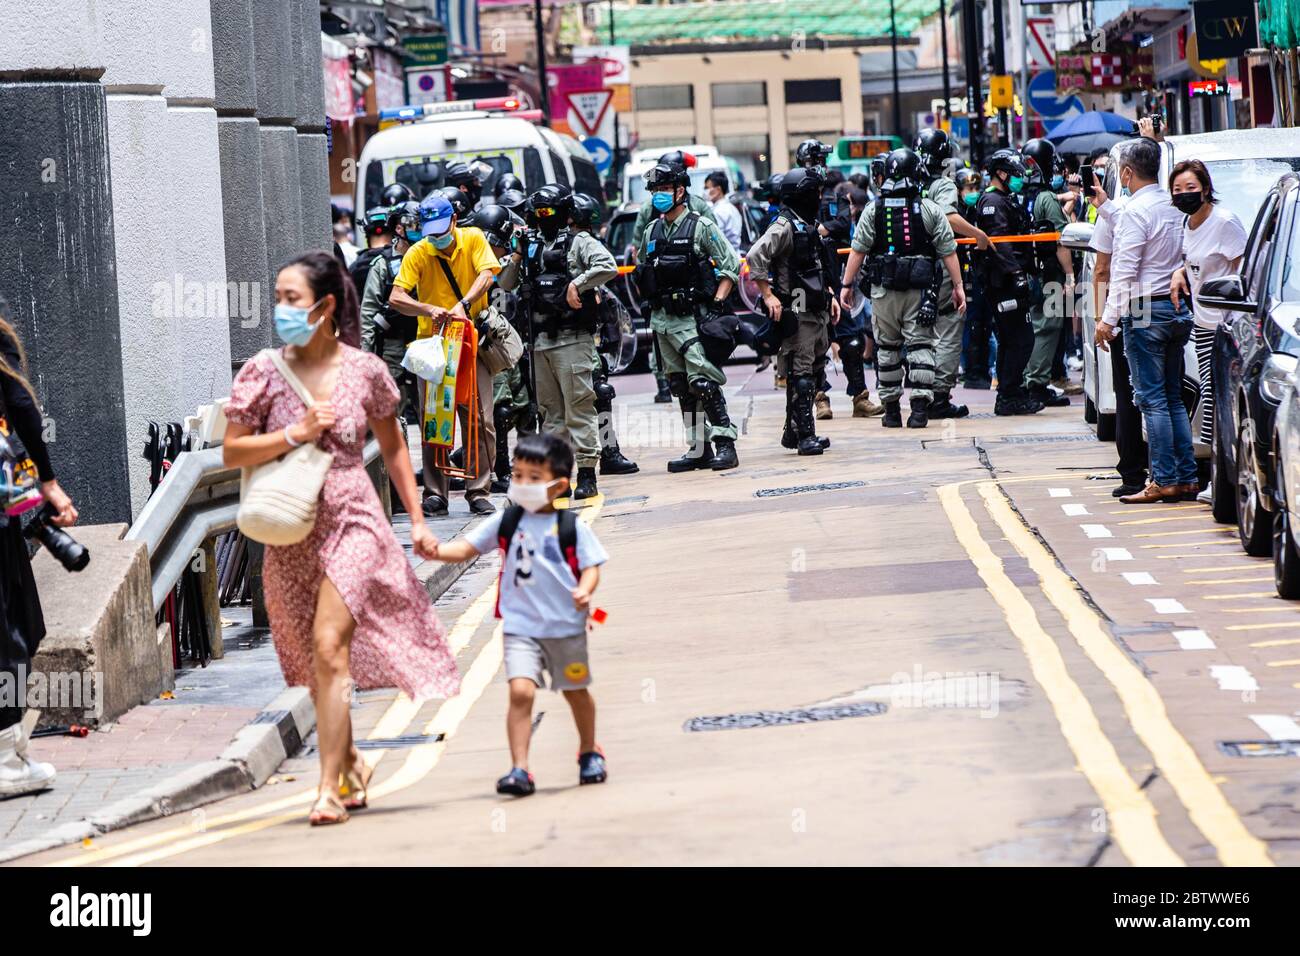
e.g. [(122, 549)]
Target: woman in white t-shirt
[(1214, 241)]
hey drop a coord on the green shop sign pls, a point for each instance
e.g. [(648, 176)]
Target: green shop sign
[(426, 50)]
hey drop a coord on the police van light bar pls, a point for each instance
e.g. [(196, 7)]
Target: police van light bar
[(411, 113)]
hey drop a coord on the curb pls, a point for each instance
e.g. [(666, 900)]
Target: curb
[(252, 756)]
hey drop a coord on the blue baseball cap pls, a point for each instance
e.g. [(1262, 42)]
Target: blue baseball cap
[(436, 214)]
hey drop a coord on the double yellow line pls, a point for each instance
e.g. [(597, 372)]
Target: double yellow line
[(1131, 814)]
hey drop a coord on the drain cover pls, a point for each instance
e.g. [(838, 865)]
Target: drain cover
[(778, 718), (800, 489), (1260, 748), (1039, 439), (396, 743)]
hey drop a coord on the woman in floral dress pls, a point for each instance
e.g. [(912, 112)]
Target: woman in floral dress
[(344, 601)]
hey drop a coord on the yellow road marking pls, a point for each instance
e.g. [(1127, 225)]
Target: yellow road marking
[(1262, 627), (1132, 816), (1173, 534), (1255, 610), (1220, 570), (1295, 662), (1232, 581), (1280, 642), (1162, 520), (1190, 544), (418, 764), (1206, 805), (1243, 594), (1179, 557)]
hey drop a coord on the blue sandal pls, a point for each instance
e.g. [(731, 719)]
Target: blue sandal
[(517, 782)]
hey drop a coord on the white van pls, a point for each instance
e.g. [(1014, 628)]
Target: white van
[(707, 160), (425, 140), (1243, 164)]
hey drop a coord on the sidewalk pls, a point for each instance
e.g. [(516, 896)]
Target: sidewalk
[(216, 737)]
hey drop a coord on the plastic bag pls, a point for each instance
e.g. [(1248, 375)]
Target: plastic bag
[(426, 359)]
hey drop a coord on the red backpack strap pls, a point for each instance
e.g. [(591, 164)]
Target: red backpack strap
[(510, 519), (567, 529)]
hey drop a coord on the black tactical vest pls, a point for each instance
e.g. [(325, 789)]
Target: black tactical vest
[(900, 229), (550, 284), (680, 278), (809, 269)]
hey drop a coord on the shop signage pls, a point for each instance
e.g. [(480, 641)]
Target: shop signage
[(1224, 28)]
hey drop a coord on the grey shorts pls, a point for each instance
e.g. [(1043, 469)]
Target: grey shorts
[(563, 658)]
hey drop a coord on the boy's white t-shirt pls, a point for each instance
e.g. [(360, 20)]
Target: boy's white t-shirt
[(1209, 251), (536, 582)]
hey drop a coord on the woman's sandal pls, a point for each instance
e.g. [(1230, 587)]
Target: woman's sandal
[(354, 786), (328, 810)]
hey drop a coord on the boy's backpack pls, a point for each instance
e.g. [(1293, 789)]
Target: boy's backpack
[(566, 528)]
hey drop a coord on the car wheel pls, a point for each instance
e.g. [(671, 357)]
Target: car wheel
[(1224, 507), (1253, 525), (1089, 411), (1105, 427), (1286, 562)]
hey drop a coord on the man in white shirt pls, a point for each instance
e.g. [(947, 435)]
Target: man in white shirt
[(1148, 246), (716, 188)]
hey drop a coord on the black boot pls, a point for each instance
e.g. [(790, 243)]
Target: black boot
[(1049, 397), (613, 462), (805, 418), (790, 434), (700, 454), (586, 484), (501, 466), (725, 457), (920, 416), (942, 406), (665, 394), (893, 417)]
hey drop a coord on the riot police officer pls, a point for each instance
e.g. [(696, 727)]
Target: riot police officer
[(791, 266), (850, 332), (903, 237), (1052, 278), (585, 217), (811, 154), (378, 239), (395, 194), (384, 330), (1005, 279), (934, 149), (469, 180), (698, 204), (978, 332), (563, 269), (687, 270)]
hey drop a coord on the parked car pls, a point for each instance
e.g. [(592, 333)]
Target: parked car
[(1286, 490), (1243, 164), (1255, 351)]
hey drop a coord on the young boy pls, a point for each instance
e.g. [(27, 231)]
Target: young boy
[(549, 570)]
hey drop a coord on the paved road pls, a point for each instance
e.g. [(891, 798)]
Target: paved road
[(1004, 667)]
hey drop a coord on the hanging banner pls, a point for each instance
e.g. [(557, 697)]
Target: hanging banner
[(339, 104)]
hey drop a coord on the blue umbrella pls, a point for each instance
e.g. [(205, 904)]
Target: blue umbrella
[(1096, 121)]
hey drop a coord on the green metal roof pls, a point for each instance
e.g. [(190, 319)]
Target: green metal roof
[(760, 20)]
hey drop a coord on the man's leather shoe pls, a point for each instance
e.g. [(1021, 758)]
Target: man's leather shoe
[(481, 506), (1049, 397), (1153, 493), (434, 506)]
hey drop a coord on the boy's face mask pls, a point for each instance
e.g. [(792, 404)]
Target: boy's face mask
[(532, 496)]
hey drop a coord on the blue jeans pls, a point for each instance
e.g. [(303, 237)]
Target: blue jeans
[(1154, 348)]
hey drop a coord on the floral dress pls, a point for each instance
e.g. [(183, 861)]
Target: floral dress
[(398, 641)]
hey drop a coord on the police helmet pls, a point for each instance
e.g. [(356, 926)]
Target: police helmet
[(552, 200), (507, 181), (968, 177), (586, 211), (402, 217), (497, 224), (376, 221), (665, 174), (514, 200), (933, 146), (877, 168), (677, 157), (811, 152), (1006, 161), (903, 171), (1039, 158), (395, 193), (801, 183), (470, 177), (459, 201)]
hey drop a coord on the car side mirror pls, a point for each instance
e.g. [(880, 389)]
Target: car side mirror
[(1226, 292), (1078, 235)]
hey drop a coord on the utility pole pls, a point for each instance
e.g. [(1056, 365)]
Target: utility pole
[(542, 83), (1000, 68), (943, 35), (893, 48), (614, 165), (974, 88)]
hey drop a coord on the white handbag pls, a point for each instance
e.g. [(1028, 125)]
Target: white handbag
[(277, 499)]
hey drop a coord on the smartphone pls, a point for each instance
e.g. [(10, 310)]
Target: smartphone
[(1087, 177)]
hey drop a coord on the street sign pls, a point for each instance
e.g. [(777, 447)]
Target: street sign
[(601, 153), (428, 50), (1001, 92), (589, 106), (1040, 43), (1044, 100)]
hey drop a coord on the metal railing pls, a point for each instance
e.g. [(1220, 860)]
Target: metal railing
[(198, 499)]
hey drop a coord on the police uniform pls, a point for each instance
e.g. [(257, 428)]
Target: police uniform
[(647, 214), (942, 191), (564, 348), (685, 259), (1047, 314), (793, 258), (1005, 281), (384, 330), (902, 228)]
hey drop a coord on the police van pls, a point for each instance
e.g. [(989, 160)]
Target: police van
[(415, 144)]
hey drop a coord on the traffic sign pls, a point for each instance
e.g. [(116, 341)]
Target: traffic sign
[(601, 153), (589, 106), (1001, 92), (1043, 98)]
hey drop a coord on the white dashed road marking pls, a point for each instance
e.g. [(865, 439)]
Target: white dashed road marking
[(1116, 554), (1167, 606), (1194, 640), (1139, 577), (1075, 511), (1277, 726), (1060, 492), (1233, 677), (1096, 531)]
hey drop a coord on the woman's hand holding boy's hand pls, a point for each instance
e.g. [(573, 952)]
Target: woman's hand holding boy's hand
[(423, 541)]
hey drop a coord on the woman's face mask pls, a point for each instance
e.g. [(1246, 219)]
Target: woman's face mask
[(1188, 202), (291, 323), (533, 496), (663, 200)]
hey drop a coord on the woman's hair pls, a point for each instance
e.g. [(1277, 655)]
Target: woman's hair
[(8, 332), (326, 276), (1197, 169)]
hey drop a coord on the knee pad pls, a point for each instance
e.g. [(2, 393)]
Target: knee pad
[(677, 384), (852, 344), (702, 387), (805, 385), (604, 392), (501, 416)]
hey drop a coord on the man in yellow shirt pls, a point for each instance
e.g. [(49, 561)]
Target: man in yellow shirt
[(447, 275)]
